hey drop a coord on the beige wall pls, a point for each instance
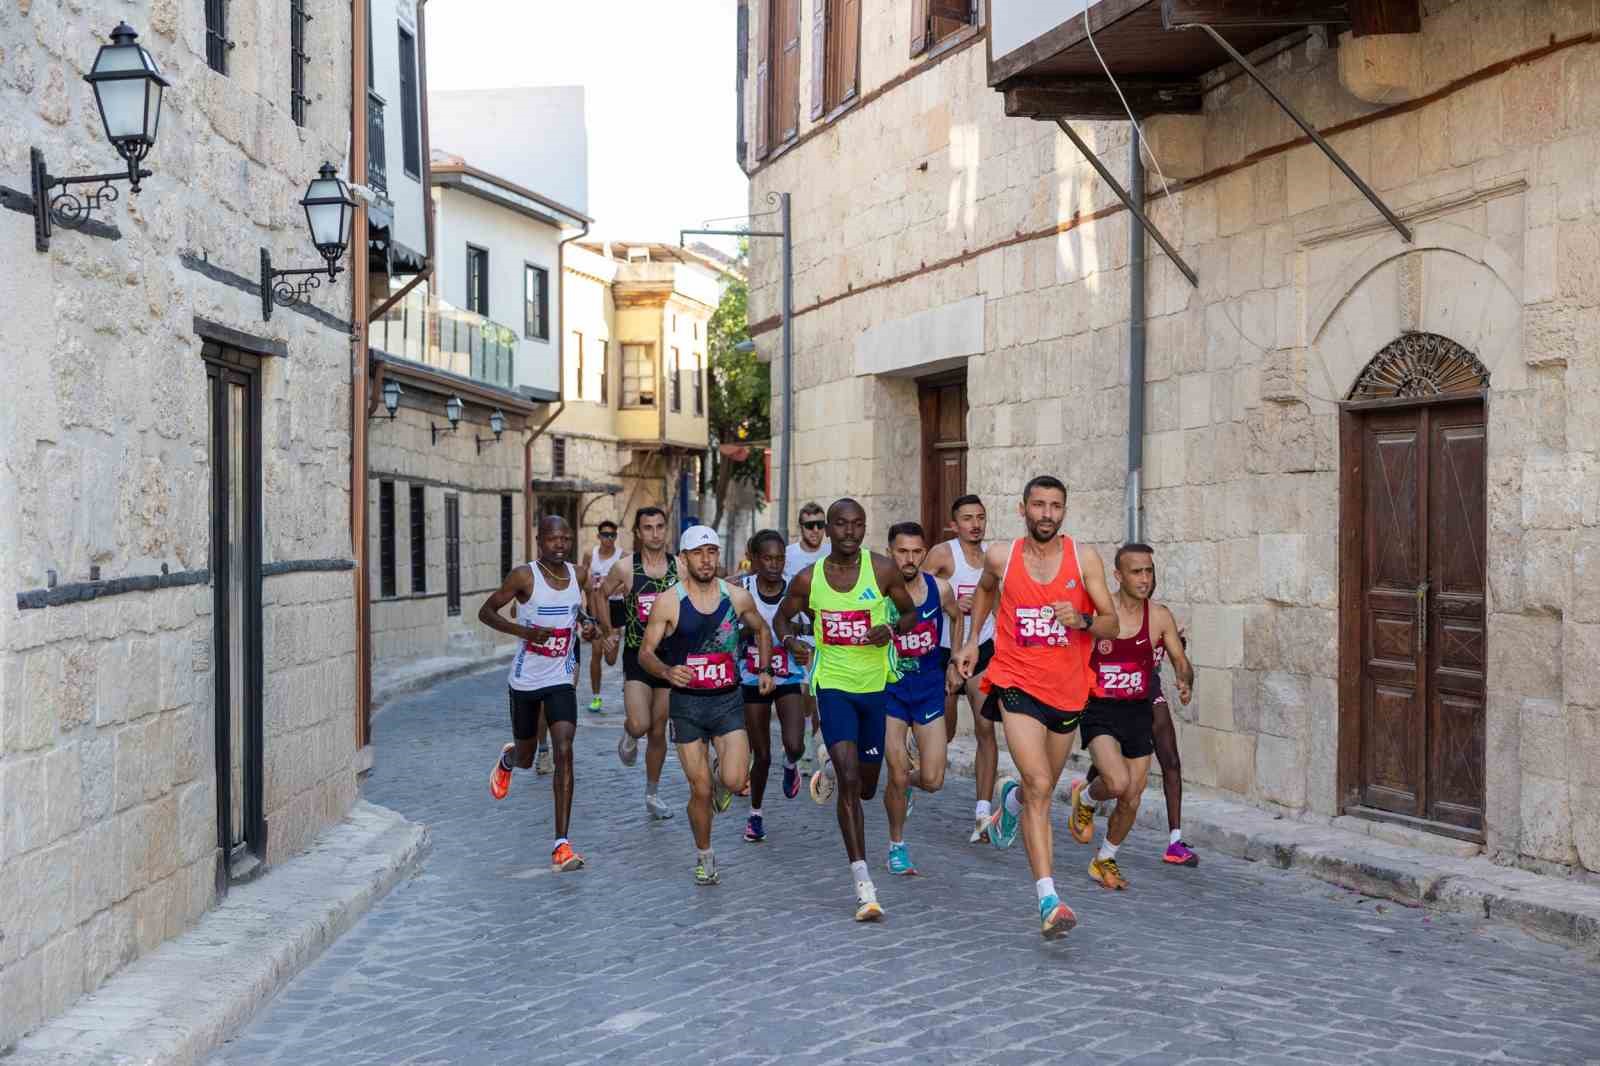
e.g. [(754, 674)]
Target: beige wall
[(1301, 284)]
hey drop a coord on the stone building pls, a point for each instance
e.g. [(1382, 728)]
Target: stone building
[(1369, 456), (178, 681)]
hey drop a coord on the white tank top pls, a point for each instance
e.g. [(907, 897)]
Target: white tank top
[(552, 662), (964, 579), (599, 568)]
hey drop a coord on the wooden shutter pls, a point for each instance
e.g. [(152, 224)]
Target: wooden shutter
[(848, 64), (820, 64), (763, 78), (919, 27), (789, 76)]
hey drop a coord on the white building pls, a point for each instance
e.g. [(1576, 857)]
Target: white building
[(533, 137)]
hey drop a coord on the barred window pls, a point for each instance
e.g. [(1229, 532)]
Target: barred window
[(217, 44), (419, 540), (385, 538), (505, 533), (558, 457), (297, 61)]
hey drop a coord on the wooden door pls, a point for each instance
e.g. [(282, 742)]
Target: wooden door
[(943, 402), (1421, 612)]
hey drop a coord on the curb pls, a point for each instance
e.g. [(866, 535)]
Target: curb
[(1552, 908), (449, 668), (186, 998)]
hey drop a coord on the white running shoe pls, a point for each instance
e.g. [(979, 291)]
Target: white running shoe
[(657, 807), (545, 762), (867, 908), (628, 749)]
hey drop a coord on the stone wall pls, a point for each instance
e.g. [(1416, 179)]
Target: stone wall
[(927, 195)]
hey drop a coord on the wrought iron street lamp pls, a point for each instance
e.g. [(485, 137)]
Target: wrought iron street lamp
[(330, 211), (497, 426), (452, 411), (391, 398), (128, 84)]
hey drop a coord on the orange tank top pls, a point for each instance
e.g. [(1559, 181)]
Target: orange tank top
[(1033, 651)]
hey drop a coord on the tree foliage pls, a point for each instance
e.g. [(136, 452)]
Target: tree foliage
[(741, 396)]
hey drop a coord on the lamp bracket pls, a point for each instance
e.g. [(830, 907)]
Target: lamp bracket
[(440, 432), (484, 442), (67, 208), (277, 290)]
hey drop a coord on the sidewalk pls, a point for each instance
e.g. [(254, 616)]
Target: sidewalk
[(175, 1005), (1385, 861), (391, 679)]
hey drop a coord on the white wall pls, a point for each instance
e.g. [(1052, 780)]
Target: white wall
[(534, 137), (1015, 23), (512, 240), (388, 17)]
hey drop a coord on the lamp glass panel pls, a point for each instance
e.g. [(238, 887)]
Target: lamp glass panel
[(452, 410), (326, 219), (122, 100)]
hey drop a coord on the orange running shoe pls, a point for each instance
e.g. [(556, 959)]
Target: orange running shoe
[(1081, 821), (564, 858), (1107, 873), (500, 777)]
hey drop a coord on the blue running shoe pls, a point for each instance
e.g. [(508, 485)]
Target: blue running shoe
[(1003, 830), (900, 861), (754, 831), (1055, 918), (791, 781)]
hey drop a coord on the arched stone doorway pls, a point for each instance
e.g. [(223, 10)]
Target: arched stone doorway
[(1413, 646)]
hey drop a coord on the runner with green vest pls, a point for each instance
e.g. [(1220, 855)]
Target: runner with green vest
[(846, 594)]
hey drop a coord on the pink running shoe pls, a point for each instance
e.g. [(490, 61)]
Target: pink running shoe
[(1179, 855)]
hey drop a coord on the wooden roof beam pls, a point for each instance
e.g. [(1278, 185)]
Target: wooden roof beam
[(1096, 98), (1237, 14)]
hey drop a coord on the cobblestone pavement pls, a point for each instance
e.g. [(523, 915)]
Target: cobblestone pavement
[(487, 958)]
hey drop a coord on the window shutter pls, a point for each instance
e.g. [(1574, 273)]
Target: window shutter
[(848, 67), (919, 27), (742, 50), (789, 98), (763, 80), (819, 58), (955, 10), (297, 61)]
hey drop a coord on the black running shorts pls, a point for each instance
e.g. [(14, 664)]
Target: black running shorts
[(559, 702), (752, 694), (619, 614), (632, 671), (1019, 702), (704, 717), (1129, 722)]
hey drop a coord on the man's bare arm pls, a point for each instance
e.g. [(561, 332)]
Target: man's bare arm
[(663, 617), (795, 600), (1181, 666), (517, 585), (1105, 623), (947, 600), (987, 595), (939, 561)]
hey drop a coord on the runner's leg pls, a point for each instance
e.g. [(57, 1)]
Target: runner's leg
[(1121, 821), (758, 727), (733, 759), (792, 725), (695, 760), (1039, 755), (636, 709), (986, 764), (951, 717), (561, 734), (655, 756), (1166, 737), (1112, 780), (848, 786), (894, 797), (594, 669), (934, 752)]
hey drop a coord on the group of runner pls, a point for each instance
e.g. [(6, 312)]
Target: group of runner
[(875, 649)]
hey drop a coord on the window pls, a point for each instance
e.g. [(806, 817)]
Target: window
[(699, 386), (835, 54), (410, 139), (577, 347), (419, 540), (778, 77), (558, 457), (675, 382), (452, 555), (478, 280), (506, 510), (386, 538), (217, 44), (535, 302), (605, 366), (638, 376), (935, 21), (297, 61)]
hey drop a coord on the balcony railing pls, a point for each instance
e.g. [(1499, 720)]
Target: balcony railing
[(427, 330), (377, 151)]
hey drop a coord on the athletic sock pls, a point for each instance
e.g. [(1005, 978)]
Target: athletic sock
[(859, 871), (650, 788), (981, 809), (1174, 836), (1046, 887), (1014, 802), (702, 855), (559, 841), (893, 843), (755, 812), (1108, 850), (505, 761)]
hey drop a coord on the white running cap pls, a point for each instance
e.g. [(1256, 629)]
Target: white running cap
[(698, 537)]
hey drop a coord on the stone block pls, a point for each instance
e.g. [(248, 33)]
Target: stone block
[(1502, 770), (31, 721), (158, 756), (1580, 659), (75, 702), (1547, 820), (63, 972), (63, 783), (1281, 703), (1280, 772), (128, 761), (24, 823), (47, 896), (1213, 692), (1381, 68), (1282, 563), (1547, 570), (22, 992), (162, 827), (1233, 758), (175, 668), (197, 821), (1525, 656), (1542, 749), (97, 877)]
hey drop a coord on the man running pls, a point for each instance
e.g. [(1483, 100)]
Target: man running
[(960, 561), (613, 608), (846, 596), (802, 555), (692, 643), (766, 585), (549, 620), (651, 572), (1053, 603), (1117, 724), (915, 702)]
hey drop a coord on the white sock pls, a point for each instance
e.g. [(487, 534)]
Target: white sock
[(1046, 887), (858, 870), (1174, 836), (1014, 801), (559, 841), (788, 763), (702, 855), (893, 843), (1108, 850), (755, 812), (981, 809), (650, 787)]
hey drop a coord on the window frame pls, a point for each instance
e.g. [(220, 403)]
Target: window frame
[(298, 62), (507, 526), (417, 523), (218, 44), (605, 367), (410, 108), (650, 365), (386, 539), (558, 456), (541, 312), (699, 385), (480, 276), (578, 383), (452, 554), (675, 383), (772, 142), (930, 48), (828, 99)]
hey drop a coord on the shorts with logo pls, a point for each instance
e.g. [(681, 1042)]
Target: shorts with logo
[(1128, 722), (1019, 702), (704, 715), (853, 717), (1157, 697), (919, 700), (560, 704), (619, 613), (632, 671), (752, 693)]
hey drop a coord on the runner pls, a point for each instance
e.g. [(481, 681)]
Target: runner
[(854, 664), (959, 560), (601, 559), (766, 585), (549, 619), (1117, 724), (651, 571), (1053, 603), (692, 643), (802, 555), (915, 702)]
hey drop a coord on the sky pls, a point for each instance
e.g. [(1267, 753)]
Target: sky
[(660, 98)]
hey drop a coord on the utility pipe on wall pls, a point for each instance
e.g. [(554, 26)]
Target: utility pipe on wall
[(359, 298), (1136, 340)]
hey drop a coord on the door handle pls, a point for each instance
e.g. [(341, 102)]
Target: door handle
[(1422, 615)]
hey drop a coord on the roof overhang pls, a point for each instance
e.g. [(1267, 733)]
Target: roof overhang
[(443, 383), (513, 197)]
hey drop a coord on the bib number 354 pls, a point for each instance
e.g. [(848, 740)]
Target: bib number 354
[(845, 627), (1036, 629)]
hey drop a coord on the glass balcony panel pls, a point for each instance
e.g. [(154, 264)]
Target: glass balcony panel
[(425, 329)]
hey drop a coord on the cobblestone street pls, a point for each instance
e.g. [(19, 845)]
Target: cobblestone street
[(488, 958)]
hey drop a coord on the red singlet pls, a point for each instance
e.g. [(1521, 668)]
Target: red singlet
[(1124, 666), (1033, 651)]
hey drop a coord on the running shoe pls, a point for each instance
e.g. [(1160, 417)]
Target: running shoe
[(628, 749), (721, 797), (1055, 918), (755, 831), (544, 762), (1003, 826), (1179, 855), (597, 705), (1108, 873), (656, 807), (980, 828), (867, 907), (900, 860), (1081, 821), (564, 858), (791, 782), (705, 871), (821, 787), (500, 777)]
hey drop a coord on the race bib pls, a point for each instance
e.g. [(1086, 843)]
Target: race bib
[(1122, 681), (779, 663), (1039, 628), (919, 642), (713, 670), (845, 627), (962, 592), (646, 601), (554, 646)]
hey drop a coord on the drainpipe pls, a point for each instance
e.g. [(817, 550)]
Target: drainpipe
[(360, 297), (427, 146), (788, 366), (561, 393), (1136, 341)]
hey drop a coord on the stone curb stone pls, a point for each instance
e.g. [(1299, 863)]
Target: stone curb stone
[(425, 674), (183, 1000), (1566, 911)]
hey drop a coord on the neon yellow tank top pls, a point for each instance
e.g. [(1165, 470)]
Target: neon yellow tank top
[(840, 621)]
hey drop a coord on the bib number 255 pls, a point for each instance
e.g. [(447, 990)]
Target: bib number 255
[(845, 627)]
